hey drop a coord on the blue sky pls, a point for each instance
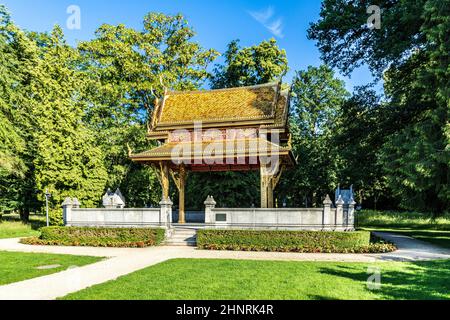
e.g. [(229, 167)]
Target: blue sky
[(215, 22)]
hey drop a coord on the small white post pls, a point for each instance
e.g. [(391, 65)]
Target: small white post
[(75, 203), (210, 204), (339, 221), (166, 212), (326, 211), (67, 211)]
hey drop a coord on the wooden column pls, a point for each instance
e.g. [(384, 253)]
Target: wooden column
[(182, 218), (162, 173), (269, 180), (270, 203), (265, 180), (165, 180)]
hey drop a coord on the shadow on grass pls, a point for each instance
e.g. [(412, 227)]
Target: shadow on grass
[(437, 237), (424, 280)]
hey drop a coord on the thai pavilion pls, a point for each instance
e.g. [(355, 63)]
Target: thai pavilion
[(236, 129)]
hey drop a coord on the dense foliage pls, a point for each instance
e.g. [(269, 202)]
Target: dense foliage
[(99, 237), (410, 51), (69, 114), (249, 66), (317, 100), (289, 241), (129, 69)]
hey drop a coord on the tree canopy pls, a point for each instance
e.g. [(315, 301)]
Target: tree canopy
[(410, 51), (258, 64), (316, 105)]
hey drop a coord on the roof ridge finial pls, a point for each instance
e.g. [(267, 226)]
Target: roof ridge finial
[(162, 84), (130, 151)]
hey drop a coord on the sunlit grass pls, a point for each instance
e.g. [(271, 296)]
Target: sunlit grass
[(417, 225), (395, 219), (18, 266), (16, 229), (202, 279)]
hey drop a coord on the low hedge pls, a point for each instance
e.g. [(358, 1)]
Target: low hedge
[(291, 241), (98, 237)]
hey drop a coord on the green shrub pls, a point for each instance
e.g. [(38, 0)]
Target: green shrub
[(55, 217), (99, 237), (289, 241)]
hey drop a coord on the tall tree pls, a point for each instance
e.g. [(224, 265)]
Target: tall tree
[(67, 161), (358, 139), (129, 69), (19, 64), (12, 166), (316, 105), (412, 46), (12, 142), (248, 66)]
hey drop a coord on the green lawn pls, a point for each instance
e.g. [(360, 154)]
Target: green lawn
[(437, 237), (401, 220), (18, 266), (413, 224), (198, 279), (12, 227)]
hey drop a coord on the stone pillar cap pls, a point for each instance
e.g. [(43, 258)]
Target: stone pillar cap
[(67, 202), (210, 201), (76, 202), (166, 202), (327, 200), (340, 201)]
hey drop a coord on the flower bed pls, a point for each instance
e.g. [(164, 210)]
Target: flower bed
[(98, 237), (292, 241)]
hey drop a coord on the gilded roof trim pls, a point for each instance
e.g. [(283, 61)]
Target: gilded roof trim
[(271, 148)]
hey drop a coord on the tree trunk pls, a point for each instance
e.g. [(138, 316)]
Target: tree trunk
[(25, 215)]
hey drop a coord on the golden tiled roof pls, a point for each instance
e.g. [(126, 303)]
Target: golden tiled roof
[(260, 104), (212, 149)]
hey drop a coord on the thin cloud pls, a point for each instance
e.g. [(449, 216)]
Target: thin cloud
[(276, 27), (262, 16), (267, 19)]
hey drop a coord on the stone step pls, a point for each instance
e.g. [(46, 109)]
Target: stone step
[(189, 226), (184, 234), (184, 231), (182, 237), (190, 231), (192, 239)]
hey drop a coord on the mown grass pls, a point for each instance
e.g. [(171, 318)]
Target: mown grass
[(12, 227), (202, 279), (417, 225), (395, 219), (18, 266)]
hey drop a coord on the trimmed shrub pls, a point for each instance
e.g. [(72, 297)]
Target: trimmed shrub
[(290, 241), (98, 237), (55, 217)]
